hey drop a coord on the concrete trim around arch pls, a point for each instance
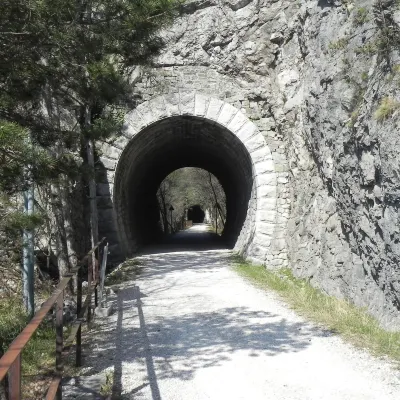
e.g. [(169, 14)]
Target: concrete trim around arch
[(257, 233)]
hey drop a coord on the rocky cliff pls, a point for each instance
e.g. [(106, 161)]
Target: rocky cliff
[(321, 80)]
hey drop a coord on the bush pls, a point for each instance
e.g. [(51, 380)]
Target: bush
[(386, 108), (361, 16)]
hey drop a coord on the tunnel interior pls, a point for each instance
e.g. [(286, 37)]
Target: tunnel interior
[(196, 214), (170, 144)]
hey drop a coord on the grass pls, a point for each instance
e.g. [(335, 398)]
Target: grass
[(38, 357), (339, 44), (386, 108), (107, 388), (360, 16), (125, 272), (354, 324)]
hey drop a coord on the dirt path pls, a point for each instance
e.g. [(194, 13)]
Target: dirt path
[(190, 328)]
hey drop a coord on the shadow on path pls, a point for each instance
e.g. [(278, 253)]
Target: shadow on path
[(177, 347), (196, 238), (155, 336)]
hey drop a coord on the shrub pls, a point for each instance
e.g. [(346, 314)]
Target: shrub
[(386, 108), (360, 16)]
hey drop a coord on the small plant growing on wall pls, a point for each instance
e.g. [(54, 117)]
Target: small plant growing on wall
[(361, 16), (339, 44), (387, 107)]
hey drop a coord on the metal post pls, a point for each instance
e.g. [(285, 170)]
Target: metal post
[(216, 219), (103, 273), (59, 340), (28, 263), (171, 209), (89, 309), (78, 356)]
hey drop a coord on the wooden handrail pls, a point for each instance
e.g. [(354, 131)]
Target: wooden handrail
[(10, 362)]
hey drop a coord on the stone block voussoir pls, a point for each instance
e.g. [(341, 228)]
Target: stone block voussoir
[(158, 108), (135, 121), (187, 102), (128, 131), (266, 216), (146, 113), (254, 143), (264, 167), (214, 108), (104, 189), (200, 105), (108, 163), (172, 104), (227, 114), (268, 191), (237, 122), (268, 179), (110, 151), (260, 154), (266, 203), (121, 142), (247, 131), (266, 228), (110, 176)]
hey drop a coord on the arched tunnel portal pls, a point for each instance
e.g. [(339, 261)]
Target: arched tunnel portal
[(211, 135), (175, 143)]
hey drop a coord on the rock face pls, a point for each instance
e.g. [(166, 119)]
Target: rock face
[(320, 80)]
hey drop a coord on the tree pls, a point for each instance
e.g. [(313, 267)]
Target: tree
[(62, 81)]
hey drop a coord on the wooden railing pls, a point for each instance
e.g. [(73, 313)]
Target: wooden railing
[(10, 363)]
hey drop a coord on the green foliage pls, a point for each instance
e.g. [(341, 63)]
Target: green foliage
[(17, 152), (353, 118), (361, 16), (364, 76), (339, 44), (352, 323), (369, 49), (107, 387), (125, 272), (386, 108), (39, 353), (12, 320), (66, 57), (16, 221), (62, 78)]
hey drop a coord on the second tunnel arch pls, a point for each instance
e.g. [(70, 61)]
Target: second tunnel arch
[(153, 121)]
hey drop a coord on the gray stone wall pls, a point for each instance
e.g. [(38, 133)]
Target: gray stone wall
[(310, 76)]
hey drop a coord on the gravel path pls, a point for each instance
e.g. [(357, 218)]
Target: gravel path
[(190, 328)]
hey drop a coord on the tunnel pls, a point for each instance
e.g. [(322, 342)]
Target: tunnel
[(170, 144), (196, 214)]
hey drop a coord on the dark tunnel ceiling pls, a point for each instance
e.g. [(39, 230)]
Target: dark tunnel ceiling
[(171, 144)]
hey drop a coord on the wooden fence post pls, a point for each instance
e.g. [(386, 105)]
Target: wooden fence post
[(14, 379)]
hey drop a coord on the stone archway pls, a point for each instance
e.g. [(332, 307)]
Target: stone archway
[(222, 134)]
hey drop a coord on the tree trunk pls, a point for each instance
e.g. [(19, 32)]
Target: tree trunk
[(216, 200), (94, 225), (60, 234)]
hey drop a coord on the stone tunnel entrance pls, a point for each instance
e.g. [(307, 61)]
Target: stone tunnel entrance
[(166, 134), (196, 214), (174, 143)]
